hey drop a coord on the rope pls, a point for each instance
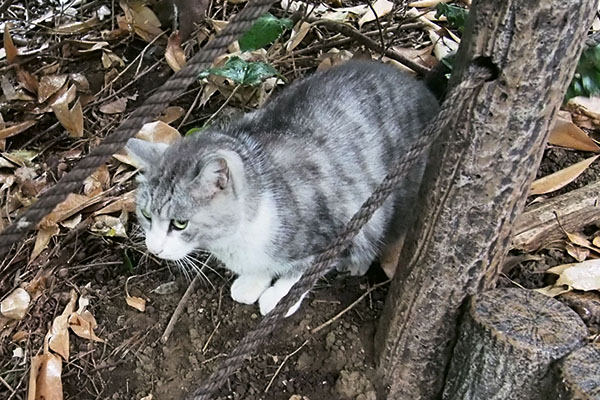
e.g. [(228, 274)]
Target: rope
[(322, 264), (168, 92)]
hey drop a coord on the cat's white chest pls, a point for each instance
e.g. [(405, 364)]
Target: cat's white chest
[(247, 251)]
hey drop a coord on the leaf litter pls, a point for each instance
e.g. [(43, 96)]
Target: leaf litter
[(62, 100)]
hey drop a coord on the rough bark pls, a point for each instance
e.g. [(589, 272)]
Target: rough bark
[(579, 376), (472, 194), (507, 343), (545, 223)]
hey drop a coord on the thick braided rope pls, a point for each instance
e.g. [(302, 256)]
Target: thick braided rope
[(168, 92), (322, 264)]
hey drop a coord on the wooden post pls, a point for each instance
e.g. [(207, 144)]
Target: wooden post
[(508, 341), (579, 375), (472, 194)]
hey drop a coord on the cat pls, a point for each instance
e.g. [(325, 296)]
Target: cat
[(268, 192)]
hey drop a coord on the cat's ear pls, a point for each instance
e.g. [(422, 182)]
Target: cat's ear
[(214, 177), (145, 154)]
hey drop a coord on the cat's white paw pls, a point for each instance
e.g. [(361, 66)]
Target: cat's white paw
[(269, 299), (248, 288)]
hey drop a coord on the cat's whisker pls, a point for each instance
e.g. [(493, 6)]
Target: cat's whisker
[(190, 261), (205, 263)]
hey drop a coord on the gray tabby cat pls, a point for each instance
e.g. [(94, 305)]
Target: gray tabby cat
[(271, 190)]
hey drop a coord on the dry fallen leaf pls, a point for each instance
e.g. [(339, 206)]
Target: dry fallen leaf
[(15, 305), (98, 181), (72, 205), (141, 19), (578, 253), (136, 302), (49, 85), (28, 81), (58, 338), (552, 291), (107, 225), (83, 323), (155, 132), (381, 7), (171, 114), (70, 119), (580, 276), (42, 239), (174, 53), (13, 130), (114, 107), (567, 134), (9, 46), (298, 34), (45, 381), (426, 3), (560, 178)]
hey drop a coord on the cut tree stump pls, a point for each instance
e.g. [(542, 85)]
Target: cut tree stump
[(545, 223), (476, 182), (507, 343), (579, 376)]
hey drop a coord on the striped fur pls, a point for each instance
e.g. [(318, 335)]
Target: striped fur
[(288, 177)]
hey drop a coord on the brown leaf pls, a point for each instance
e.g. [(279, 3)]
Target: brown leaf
[(174, 53), (83, 325), (381, 7), (114, 107), (125, 202), (58, 338), (171, 114), (16, 129), (98, 181), (70, 119), (45, 381), (155, 132), (15, 305), (27, 80), (50, 85), (589, 106), (578, 253), (43, 238), (567, 134), (142, 19), (136, 302), (72, 205), (298, 34), (9, 46), (560, 178)]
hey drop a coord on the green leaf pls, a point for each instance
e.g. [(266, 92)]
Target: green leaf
[(242, 72), (127, 264), (456, 16), (586, 81), (193, 131), (264, 31)]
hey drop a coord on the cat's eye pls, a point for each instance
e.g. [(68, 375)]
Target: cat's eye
[(146, 214), (179, 224)]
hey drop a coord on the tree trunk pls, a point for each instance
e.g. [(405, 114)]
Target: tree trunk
[(472, 194), (579, 376), (507, 343)]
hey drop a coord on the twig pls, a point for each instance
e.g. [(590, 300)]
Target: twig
[(4, 6), (7, 385), (192, 107), (382, 41), (282, 363), (210, 337), (233, 92), (365, 40), (345, 310), (165, 336)]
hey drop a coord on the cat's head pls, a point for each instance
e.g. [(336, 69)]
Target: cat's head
[(186, 200)]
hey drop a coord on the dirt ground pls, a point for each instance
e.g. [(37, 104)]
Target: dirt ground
[(304, 360)]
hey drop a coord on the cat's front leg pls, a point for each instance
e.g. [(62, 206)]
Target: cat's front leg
[(249, 287), (269, 299)]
